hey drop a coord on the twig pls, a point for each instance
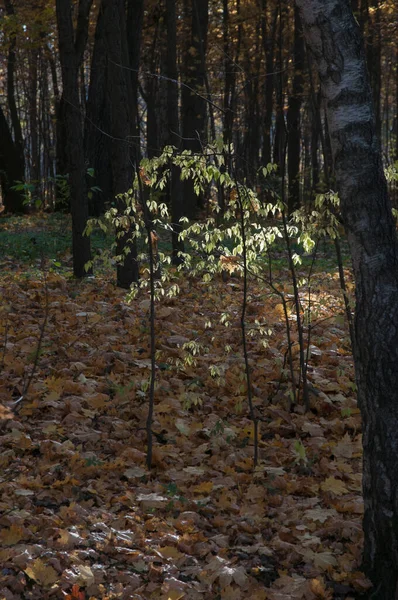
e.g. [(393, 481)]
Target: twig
[(253, 416), (148, 226), (28, 381)]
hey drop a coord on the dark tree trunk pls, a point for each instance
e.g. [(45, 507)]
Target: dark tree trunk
[(151, 87), (373, 51), (121, 126), (335, 42), (15, 121), (135, 15), (280, 125), (252, 111), (173, 127), (193, 95), (269, 48), (11, 169), (97, 139), (33, 120), (71, 47), (61, 166), (231, 60), (294, 117)]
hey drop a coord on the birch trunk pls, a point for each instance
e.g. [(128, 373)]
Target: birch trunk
[(334, 40)]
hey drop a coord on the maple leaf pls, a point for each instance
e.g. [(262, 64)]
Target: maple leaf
[(12, 535), (41, 573), (335, 486)]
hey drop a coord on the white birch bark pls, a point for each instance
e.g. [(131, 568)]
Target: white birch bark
[(334, 41)]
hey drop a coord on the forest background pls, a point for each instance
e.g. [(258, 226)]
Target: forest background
[(236, 387)]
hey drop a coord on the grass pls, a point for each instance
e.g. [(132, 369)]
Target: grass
[(27, 239)]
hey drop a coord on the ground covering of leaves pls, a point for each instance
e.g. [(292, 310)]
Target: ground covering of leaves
[(80, 515)]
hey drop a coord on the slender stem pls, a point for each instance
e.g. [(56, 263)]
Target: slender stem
[(288, 335), (7, 326), (253, 416), (29, 380), (151, 403)]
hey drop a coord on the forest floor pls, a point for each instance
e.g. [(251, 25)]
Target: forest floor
[(81, 517)]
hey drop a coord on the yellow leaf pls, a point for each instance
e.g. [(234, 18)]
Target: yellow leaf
[(41, 573), (170, 552), (335, 486), (175, 595), (11, 536), (203, 488)]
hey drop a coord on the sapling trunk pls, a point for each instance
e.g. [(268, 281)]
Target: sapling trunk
[(152, 275), (253, 416)]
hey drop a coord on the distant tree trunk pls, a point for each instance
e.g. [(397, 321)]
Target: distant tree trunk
[(135, 14), (294, 117), (193, 95), (396, 106), (176, 188), (269, 51), (373, 51), (150, 89), (11, 63), (121, 127), (335, 42), (97, 140), (33, 120), (280, 125), (231, 58), (61, 167), (252, 111), (11, 169), (71, 47)]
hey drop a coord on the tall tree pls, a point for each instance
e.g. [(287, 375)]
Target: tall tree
[(71, 48), (11, 169), (120, 100), (294, 117), (334, 40), (173, 126), (97, 140), (134, 22), (268, 38), (12, 105), (193, 96)]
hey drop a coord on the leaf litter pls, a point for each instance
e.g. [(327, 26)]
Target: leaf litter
[(80, 515)]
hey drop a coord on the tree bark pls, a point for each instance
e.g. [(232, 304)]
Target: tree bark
[(294, 117), (134, 21), (12, 105), (269, 51), (173, 126), (71, 47), (193, 96), (97, 140), (11, 169), (334, 40), (121, 126)]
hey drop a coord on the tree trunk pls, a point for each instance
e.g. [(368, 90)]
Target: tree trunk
[(15, 121), (294, 117), (71, 48), (135, 14), (97, 140), (193, 96), (120, 106), (335, 42), (176, 191), (269, 50), (11, 169), (33, 119), (373, 51)]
